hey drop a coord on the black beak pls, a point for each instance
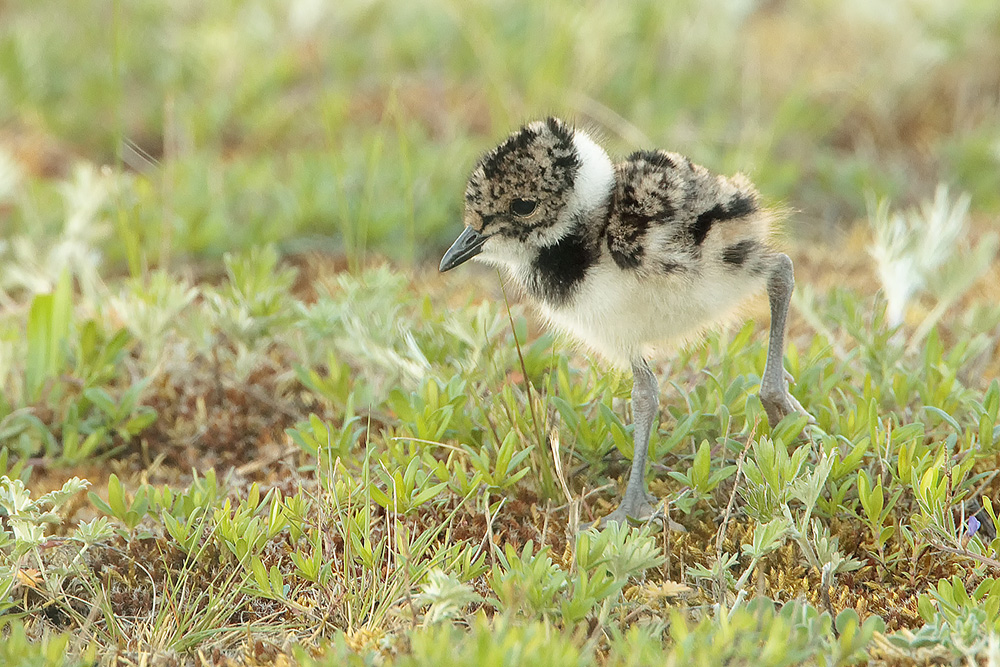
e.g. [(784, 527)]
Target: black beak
[(468, 244)]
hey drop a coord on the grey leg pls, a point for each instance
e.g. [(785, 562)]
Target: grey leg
[(645, 406), (773, 385)]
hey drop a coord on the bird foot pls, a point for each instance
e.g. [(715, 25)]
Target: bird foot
[(637, 513), (778, 403)]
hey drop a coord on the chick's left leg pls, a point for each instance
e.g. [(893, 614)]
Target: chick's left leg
[(636, 503)]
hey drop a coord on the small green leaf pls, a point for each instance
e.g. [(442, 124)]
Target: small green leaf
[(700, 468)]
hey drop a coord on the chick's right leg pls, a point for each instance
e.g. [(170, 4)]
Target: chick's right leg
[(778, 403)]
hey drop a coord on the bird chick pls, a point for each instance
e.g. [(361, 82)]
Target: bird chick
[(624, 256)]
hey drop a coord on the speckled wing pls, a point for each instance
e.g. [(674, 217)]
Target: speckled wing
[(665, 207)]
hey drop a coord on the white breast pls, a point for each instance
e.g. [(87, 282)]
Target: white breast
[(618, 314)]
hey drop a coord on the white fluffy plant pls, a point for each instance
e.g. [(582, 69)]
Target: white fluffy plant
[(447, 596), (26, 517), (927, 251), (34, 261), (25, 531)]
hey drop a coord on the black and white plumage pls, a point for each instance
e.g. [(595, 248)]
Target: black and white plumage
[(624, 256)]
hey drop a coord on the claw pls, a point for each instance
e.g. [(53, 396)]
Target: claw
[(640, 513), (782, 406)]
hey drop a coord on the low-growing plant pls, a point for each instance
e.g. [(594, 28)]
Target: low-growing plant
[(405, 489), (48, 330), (771, 474), (877, 510), (245, 528), (21, 648), (433, 411), (528, 583), (446, 597), (760, 634), (504, 469), (130, 511), (23, 533), (311, 564), (700, 478), (323, 443), (957, 625)]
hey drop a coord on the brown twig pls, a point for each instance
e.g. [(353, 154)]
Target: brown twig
[(732, 496)]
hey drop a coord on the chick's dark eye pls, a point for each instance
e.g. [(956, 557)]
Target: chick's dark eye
[(522, 207)]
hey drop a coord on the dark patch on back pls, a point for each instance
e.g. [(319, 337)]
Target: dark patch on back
[(560, 268), (639, 202), (669, 268), (737, 253), (739, 205), (632, 221), (656, 158), (627, 258), (703, 223)]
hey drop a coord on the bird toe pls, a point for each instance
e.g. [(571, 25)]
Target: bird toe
[(780, 406), (641, 512)]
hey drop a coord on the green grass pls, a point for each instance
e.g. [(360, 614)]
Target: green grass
[(422, 495), (220, 315)]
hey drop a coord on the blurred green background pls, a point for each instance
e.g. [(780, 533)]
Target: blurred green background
[(226, 141), (350, 126)]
